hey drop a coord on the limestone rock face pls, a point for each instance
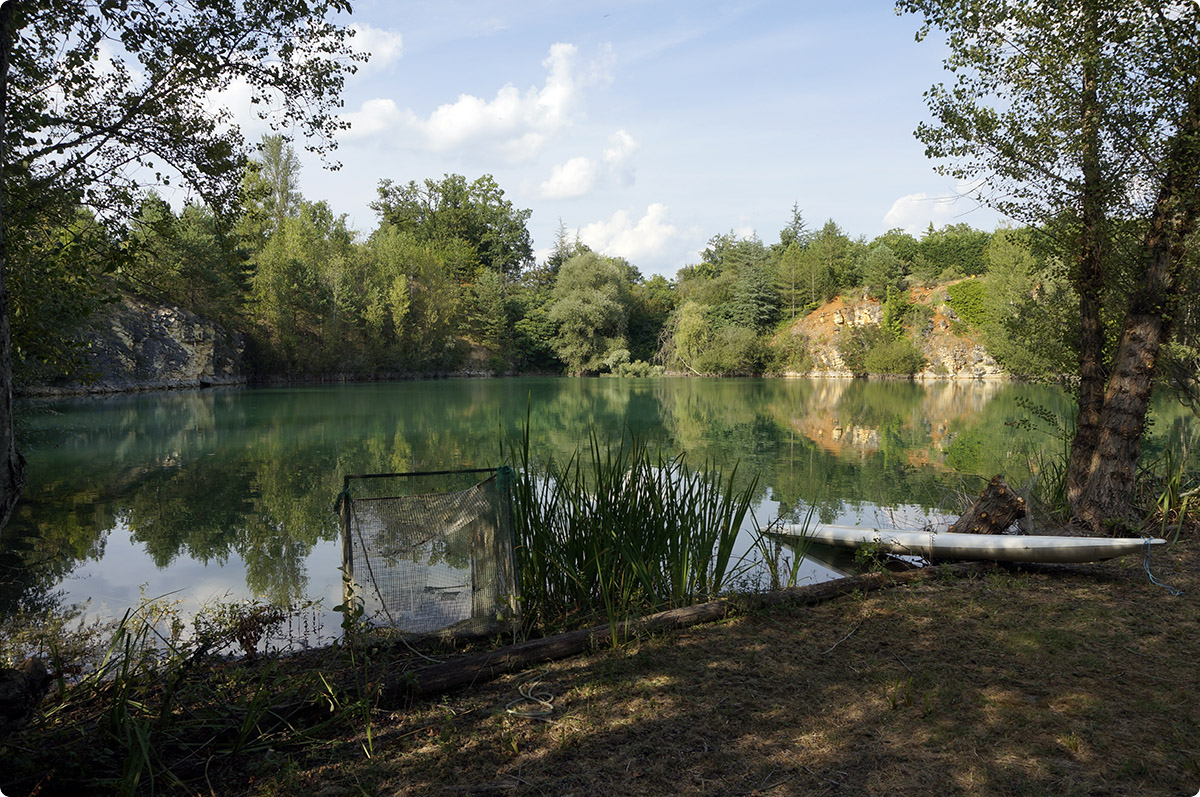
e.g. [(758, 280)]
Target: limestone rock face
[(137, 345), (950, 350)]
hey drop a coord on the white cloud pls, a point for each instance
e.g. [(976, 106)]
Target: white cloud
[(579, 175), (375, 117), (574, 178), (520, 123), (913, 213), (620, 149), (620, 146), (620, 236), (385, 46), (514, 123)]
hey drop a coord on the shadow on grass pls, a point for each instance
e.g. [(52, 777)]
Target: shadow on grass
[(1077, 682)]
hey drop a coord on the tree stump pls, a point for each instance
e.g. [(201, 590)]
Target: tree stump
[(21, 689), (997, 508)]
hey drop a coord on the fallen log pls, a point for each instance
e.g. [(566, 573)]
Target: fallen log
[(482, 667), (997, 508)]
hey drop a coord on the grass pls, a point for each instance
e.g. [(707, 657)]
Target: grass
[(1067, 680), (151, 705)]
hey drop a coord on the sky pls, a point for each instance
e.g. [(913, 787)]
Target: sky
[(645, 128)]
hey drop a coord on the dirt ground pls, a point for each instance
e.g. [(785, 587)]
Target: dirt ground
[(1061, 681)]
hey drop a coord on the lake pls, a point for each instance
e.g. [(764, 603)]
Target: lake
[(230, 493)]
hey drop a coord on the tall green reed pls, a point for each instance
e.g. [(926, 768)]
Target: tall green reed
[(616, 531)]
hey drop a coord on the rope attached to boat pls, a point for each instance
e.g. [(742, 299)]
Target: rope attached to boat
[(1175, 593)]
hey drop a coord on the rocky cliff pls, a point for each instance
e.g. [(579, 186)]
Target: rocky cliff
[(136, 345), (950, 351)]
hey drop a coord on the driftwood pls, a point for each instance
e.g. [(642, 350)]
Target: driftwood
[(997, 508), (483, 667)]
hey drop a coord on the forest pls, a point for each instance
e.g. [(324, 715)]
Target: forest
[(448, 277)]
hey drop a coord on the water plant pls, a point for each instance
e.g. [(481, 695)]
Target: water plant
[(616, 530)]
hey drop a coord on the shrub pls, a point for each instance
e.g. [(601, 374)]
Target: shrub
[(734, 350), (854, 344), (790, 355), (638, 368), (967, 298), (898, 357)]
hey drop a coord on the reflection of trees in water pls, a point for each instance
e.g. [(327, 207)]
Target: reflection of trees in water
[(254, 473)]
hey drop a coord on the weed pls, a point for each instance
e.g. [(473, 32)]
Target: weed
[(871, 557), (617, 532), (147, 698), (900, 693)]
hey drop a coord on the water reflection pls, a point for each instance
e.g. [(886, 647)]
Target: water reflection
[(235, 489)]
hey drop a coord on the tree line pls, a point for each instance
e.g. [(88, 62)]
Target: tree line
[(448, 280)]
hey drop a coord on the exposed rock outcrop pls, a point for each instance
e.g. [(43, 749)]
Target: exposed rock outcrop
[(950, 351), (136, 345)]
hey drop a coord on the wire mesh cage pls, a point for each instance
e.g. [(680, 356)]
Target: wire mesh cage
[(431, 561)]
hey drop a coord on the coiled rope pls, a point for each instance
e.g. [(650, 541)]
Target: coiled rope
[(1175, 593), (532, 692)]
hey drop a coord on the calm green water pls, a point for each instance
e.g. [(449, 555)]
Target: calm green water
[(230, 493)]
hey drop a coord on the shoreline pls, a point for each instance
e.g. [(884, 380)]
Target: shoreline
[(77, 390)]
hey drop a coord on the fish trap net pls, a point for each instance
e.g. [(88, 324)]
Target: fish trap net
[(431, 562)]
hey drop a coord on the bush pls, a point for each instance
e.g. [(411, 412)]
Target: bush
[(873, 350), (895, 358), (968, 299), (734, 351), (638, 368), (790, 355), (854, 344)]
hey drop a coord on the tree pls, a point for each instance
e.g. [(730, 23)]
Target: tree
[(591, 311), (882, 271), (98, 98), (187, 260), (755, 301), (56, 284), (476, 213), (1084, 118), (75, 125), (827, 264), (955, 250), (416, 296), (796, 231), (651, 304), (789, 272), (279, 169)]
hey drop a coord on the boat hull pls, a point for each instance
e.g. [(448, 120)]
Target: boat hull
[(988, 547)]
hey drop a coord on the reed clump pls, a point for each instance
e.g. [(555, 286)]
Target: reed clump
[(617, 531)]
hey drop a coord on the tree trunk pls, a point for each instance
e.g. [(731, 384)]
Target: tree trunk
[(482, 667), (12, 464), (1089, 278), (1107, 498), (997, 508)]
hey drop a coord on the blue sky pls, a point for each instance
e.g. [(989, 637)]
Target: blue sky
[(648, 127)]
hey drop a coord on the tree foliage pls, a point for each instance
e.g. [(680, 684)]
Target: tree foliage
[(591, 312), (1083, 118), (99, 99), (475, 213)]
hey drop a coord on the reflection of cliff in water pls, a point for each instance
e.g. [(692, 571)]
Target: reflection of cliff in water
[(852, 418)]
